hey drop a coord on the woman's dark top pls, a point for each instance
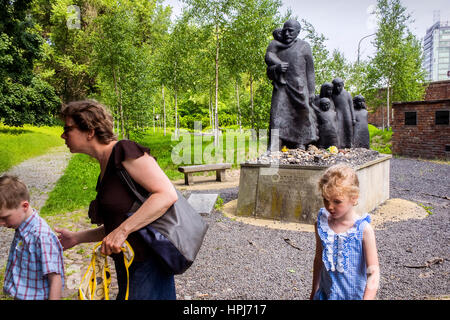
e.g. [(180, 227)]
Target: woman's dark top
[(114, 199)]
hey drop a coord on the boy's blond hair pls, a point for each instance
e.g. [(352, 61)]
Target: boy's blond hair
[(12, 192), (339, 179)]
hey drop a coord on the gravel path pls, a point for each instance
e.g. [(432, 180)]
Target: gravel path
[(242, 261)]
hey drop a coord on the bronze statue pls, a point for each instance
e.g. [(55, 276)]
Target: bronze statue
[(327, 122), (344, 112), (361, 130), (291, 112), (271, 57), (326, 91)]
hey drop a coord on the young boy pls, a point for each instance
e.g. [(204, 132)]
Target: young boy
[(35, 268)]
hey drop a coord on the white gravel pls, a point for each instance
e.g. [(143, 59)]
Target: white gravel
[(241, 261)]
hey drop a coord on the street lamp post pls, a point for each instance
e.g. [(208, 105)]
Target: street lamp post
[(359, 43)]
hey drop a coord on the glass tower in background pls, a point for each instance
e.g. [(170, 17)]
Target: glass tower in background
[(436, 49)]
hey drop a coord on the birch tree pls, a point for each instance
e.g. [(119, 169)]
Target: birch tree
[(397, 62), (214, 14), (246, 40)]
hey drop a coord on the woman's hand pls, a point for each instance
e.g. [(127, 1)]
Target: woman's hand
[(67, 238), (113, 241)]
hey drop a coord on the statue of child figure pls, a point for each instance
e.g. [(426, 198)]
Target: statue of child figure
[(361, 138), (271, 57), (327, 121)]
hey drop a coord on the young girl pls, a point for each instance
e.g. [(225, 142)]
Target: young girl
[(346, 262)]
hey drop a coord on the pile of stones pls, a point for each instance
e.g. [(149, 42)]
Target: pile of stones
[(314, 156)]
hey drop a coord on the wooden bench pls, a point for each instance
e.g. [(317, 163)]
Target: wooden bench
[(218, 167)]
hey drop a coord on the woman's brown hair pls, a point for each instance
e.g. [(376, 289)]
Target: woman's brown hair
[(91, 115)]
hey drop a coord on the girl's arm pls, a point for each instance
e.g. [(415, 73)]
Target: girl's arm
[(373, 268), (317, 265)]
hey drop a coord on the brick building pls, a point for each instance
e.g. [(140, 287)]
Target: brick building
[(435, 91), (375, 117), (438, 90), (422, 129)]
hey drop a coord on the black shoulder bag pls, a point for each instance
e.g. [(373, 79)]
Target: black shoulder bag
[(176, 236)]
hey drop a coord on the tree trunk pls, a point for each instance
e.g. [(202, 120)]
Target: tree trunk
[(164, 109), (216, 112), (238, 107), (387, 106), (119, 96), (176, 114), (211, 122), (251, 102)]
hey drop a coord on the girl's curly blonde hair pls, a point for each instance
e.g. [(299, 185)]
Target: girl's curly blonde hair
[(339, 179)]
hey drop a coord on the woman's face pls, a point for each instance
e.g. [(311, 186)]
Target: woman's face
[(73, 136)]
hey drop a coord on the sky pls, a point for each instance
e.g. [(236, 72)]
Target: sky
[(345, 22)]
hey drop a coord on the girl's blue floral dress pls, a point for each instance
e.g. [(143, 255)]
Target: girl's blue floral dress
[(343, 276)]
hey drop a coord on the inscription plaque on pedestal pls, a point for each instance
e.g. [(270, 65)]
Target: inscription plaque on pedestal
[(288, 195)]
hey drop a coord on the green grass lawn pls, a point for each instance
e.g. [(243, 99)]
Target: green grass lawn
[(380, 140), (19, 144), (76, 187)]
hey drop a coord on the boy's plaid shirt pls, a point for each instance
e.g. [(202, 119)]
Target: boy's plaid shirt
[(35, 252)]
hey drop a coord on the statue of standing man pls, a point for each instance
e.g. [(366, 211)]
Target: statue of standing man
[(293, 80), (345, 114)]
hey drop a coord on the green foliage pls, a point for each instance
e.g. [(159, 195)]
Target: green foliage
[(244, 44), (124, 53), (24, 97), (219, 203), (35, 104), (397, 64), (326, 67), (380, 140), (76, 188), (161, 147), (428, 209), (66, 51), (19, 144)]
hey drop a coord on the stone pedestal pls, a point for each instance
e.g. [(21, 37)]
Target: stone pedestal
[(289, 192)]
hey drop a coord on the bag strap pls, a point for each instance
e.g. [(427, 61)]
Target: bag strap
[(129, 182)]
